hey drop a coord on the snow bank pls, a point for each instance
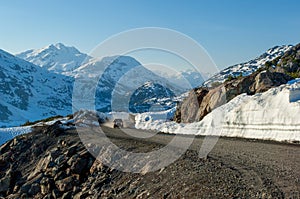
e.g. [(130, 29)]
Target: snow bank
[(154, 116), (271, 115), (9, 133)]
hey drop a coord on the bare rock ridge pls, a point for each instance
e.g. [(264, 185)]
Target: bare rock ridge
[(203, 100)]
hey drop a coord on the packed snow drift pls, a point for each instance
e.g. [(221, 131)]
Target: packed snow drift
[(273, 115)]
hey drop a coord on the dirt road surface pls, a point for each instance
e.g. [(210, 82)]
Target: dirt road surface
[(235, 167)]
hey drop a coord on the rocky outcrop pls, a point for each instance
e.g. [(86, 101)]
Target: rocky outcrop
[(43, 164), (187, 108), (289, 62), (202, 101)]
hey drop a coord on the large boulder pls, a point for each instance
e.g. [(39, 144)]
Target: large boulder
[(186, 109)]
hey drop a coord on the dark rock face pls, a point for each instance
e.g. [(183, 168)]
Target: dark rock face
[(4, 113), (202, 101), (149, 95), (289, 62)]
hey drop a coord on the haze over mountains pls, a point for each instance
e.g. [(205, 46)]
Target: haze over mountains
[(187, 79), (38, 84)]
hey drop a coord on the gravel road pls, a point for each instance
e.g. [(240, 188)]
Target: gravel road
[(53, 163), (234, 168)]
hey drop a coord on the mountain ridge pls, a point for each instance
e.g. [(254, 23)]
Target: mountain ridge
[(41, 93), (118, 81), (247, 68), (55, 57)]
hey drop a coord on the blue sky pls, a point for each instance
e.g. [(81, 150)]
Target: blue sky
[(231, 31)]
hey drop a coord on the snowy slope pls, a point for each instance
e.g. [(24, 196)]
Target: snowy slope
[(9, 133), (29, 92), (151, 96), (57, 58), (187, 79), (112, 80), (249, 67), (273, 115)]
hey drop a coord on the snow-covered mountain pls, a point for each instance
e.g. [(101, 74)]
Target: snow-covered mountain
[(57, 58), (249, 67), (151, 96), (29, 92), (64, 60), (187, 79), (112, 81)]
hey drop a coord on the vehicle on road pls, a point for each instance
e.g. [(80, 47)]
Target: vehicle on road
[(118, 123)]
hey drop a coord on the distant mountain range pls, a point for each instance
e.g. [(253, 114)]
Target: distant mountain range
[(71, 62), (31, 92), (66, 60), (187, 79), (39, 83)]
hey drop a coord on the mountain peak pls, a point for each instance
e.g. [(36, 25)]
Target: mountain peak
[(57, 47), (55, 57), (61, 45)]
